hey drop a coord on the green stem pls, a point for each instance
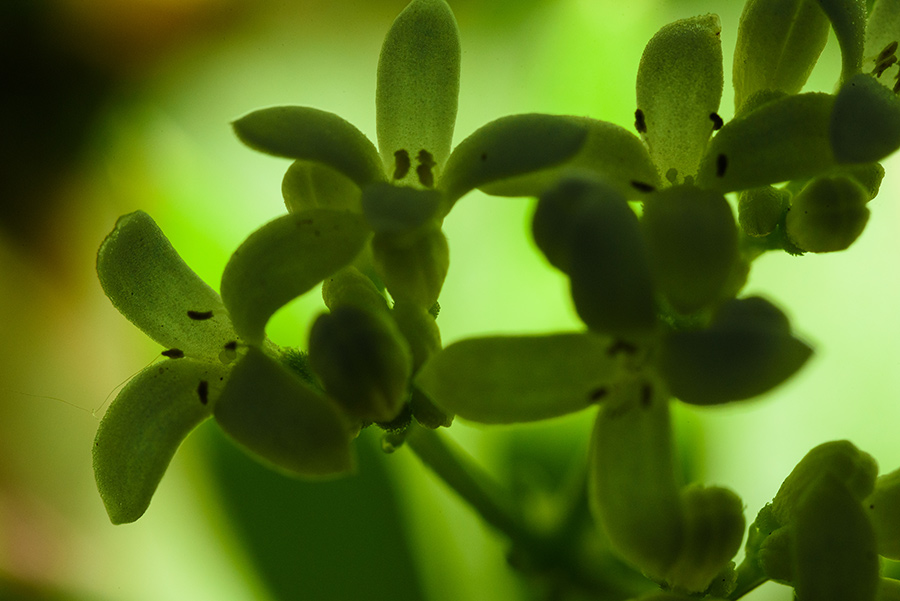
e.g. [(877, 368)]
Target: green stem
[(749, 576), (557, 554)]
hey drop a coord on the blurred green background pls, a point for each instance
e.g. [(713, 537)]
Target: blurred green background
[(107, 106)]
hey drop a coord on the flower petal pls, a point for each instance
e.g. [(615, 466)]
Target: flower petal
[(398, 209), (143, 428), (149, 283), (848, 19), (284, 259), (274, 415), (508, 147), (778, 44), (865, 123), (882, 30), (418, 87), (510, 379), (781, 140), (308, 185), (679, 86), (299, 132)]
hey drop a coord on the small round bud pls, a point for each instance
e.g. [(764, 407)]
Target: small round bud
[(828, 214), (759, 210)]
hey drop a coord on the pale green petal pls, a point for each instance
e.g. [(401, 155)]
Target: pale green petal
[(760, 209), (609, 152), (834, 547), (778, 44), (274, 415), (399, 209), (781, 140), (848, 19), (413, 267), (308, 185), (299, 132), (509, 379), (633, 490), (416, 96), (144, 427), (509, 147), (149, 283), (679, 86), (865, 123), (284, 259)]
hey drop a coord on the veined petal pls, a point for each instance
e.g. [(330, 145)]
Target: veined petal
[(781, 140), (274, 415), (150, 284), (299, 132), (510, 379), (679, 86), (610, 152), (778, 44), (418, 87), (144, 427), (284, 259), (508, 147)]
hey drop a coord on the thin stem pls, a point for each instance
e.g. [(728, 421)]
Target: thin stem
[(749, 577)]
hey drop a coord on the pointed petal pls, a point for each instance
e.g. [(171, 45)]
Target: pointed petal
[(418, 87), (510, 379), (284, 259), (144, 427), (274, 415), (508, 147), (679, 86), (152, 286), (299, 132)]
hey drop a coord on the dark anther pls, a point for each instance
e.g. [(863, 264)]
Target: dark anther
[(717, 121), (203, 391), (231, 346), (897, 85), (173, 353), (639, 123), (200, 315), (426, 164), (620, 346), (401, 164), (597, 394), (888, 51), (721, 165), (884, 65), (646, 395), (642, 187)]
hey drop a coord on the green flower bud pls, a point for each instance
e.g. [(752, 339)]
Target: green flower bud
[(760, 209), (865, 123), (692, 243), (363, 362), (714, 529), (598, 239), (883, 507), (828, 214), (867, 175), (747, 350), (853, 468), (413, 267), (350, 286), (420, 330)]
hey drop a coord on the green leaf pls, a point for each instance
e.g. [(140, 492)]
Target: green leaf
[(363, 362), (284, 259), (144, 427), (307, 185), (781, 140), (747, 350), (834, 546), (510, 379), (398, 209), (149, 283), (610, 152), (633, 490), (778, 44), (416, 95), (848, 19), (679, 86), (692, 244), (509, 147), (840, 459), (299, 132), (883, 507), (828, 215), (276, 417), (865, 124)]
